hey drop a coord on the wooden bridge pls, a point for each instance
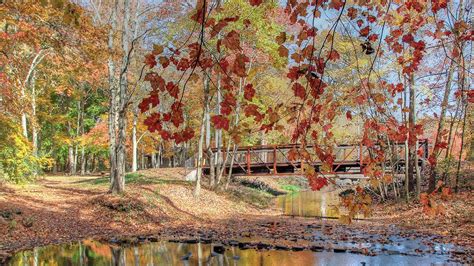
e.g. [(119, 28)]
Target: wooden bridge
[(274, 160)]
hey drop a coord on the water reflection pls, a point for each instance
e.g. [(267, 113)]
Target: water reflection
[(167, 253), (310, 204)]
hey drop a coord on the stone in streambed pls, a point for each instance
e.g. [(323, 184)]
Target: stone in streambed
[(219, 249), (297, 248)]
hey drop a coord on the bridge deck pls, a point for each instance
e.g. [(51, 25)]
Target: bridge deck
[(275, 159)]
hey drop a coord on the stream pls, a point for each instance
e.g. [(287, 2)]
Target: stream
[(310, 204), (387, 249), (169, 253)]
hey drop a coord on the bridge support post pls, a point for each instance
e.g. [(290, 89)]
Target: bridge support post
[(360, 154), (274, 160), (248, 161)]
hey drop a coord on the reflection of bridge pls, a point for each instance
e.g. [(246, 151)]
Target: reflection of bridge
[(349, 159)]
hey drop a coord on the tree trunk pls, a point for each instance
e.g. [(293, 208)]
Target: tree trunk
[(207, 115), (24, 124), (439, 132), (34, 127), (118, 175), (197, 189), (406, 155), (134, 142), (112, 125), (92, 163), (83, 150), (462, 83), (234, 149), (36, 60), (71, 159), (458, 168), (118, 256), (153, 160), (218, 132), (83, 161), (231, 164), (412, 149), (78, 125), (418, 173)]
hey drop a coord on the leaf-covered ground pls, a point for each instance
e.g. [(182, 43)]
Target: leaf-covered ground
[(63, 208), (456, 220)]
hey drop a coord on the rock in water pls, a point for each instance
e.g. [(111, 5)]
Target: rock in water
[(219, 249), (187, 256)]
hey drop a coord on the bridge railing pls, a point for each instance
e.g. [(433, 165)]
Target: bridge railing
[(270, 155)]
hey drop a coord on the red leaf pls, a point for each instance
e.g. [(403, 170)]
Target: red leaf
[(255, 2), (252, 110), (199, 15), (150, 60), (221, 24), (165, 135), (299, 90), (316, 182), (333, 55), (183, 64), (408, 38), (153, 122), (239, 65), (232, 40), (156, 81), (336, 4), (249, 92), (293, 73), (365, 31), (373, 37), (352, 13), (150, 102), (220, 122), (470, 96), (419, 45), (172, 89), (349, 115)]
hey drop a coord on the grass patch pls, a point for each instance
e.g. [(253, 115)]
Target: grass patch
[(291, 188), (140, 179)]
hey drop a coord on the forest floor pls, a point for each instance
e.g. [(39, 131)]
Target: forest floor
[(59, 209)]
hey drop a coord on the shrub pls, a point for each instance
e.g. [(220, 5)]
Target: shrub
[(17, 164)]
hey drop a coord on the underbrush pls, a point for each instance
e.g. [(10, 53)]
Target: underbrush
[(252, 196), (120, 203), (129, 208)]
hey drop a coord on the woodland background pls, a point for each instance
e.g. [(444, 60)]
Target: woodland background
[(97, 85)]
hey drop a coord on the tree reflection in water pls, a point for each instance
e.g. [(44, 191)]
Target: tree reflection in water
[(168, 253)]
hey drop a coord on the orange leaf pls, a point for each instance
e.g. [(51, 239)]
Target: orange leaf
[(283, 51)]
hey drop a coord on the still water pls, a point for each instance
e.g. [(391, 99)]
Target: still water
[(310, 204), (169, 253)]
